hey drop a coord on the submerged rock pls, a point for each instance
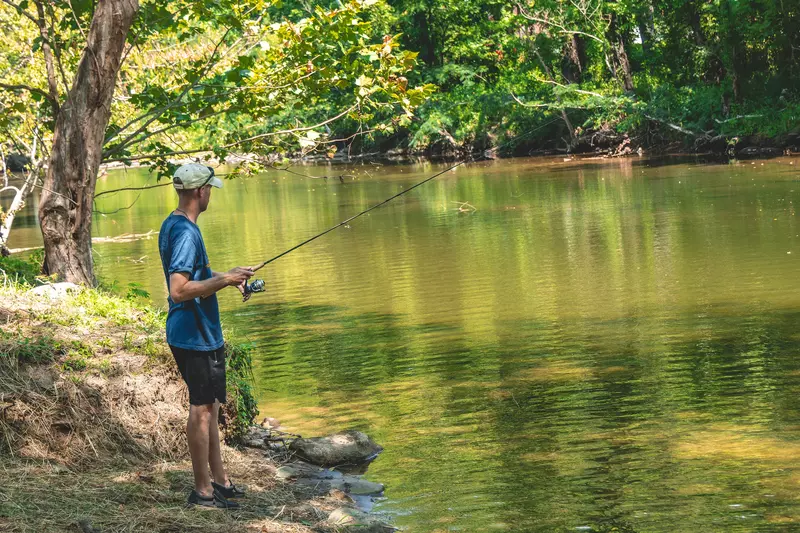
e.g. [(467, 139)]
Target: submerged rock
[(347, 448), (348, 519), (357, 486), (334, 479)]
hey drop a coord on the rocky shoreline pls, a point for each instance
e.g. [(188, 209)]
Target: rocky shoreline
[(330, 466)]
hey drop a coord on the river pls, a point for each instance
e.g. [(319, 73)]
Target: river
[(595, 345)]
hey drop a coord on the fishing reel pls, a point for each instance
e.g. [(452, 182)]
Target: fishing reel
[(251, 288)]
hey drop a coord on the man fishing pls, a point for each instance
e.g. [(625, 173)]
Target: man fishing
[(194, 333)]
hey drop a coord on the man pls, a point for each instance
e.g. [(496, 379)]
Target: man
[(194, 333)]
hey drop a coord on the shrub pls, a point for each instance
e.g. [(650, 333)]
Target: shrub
[(19, 271), (241, 408)]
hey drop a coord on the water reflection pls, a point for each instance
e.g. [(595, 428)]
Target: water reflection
[(625, 424)]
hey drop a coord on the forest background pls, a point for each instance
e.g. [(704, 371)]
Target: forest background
[(716, 75), (123, 82)]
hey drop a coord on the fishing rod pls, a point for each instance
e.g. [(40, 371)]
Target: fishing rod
[(259, 285)]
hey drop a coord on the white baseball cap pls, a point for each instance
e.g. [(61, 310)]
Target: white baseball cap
[(194, 176)]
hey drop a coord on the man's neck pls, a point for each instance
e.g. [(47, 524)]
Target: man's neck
[(189, 209)]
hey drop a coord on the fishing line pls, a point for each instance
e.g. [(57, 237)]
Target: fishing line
[(258, 285)]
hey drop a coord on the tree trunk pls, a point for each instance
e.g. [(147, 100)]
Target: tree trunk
[(428, 50), (697, 27), (620, 55), (573, 63), (647, 29), (65, 210)]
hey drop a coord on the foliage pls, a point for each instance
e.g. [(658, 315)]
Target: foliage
[(221, 77), (241, 409), (721, 67), (15, 347), (20, 271)]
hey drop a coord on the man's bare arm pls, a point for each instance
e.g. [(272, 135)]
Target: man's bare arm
[(182, 289)]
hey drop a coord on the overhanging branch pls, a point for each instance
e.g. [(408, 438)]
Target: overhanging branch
[(19, 87), (235, 143)]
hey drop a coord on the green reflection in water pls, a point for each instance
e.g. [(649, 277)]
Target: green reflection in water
[(600, 345)]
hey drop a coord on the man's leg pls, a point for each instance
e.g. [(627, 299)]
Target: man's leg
[(198, 434), (214, 453)]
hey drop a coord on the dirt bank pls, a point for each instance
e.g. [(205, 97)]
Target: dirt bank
[(92, 417)]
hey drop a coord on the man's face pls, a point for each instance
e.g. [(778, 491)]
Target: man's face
[(205, 196)]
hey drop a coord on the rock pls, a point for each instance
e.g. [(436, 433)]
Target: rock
[(305, 473), (345, 516), (255, 443), (769, 151), (17, 162), (300, 469), (759, 151), (56, 291), (341, 496), (347, 519), (357, 486), (749, 151), (270, 423), (315, 487), (349, 447)]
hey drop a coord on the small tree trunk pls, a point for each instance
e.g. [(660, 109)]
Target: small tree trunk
[(7, 217), (65, 211), (647, 29)]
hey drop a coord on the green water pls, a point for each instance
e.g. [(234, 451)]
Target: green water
[(598, 346)]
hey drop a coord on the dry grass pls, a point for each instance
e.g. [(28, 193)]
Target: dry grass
[(42, 497), (92, 419)]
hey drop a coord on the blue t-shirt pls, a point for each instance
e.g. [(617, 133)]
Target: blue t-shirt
[(193, 324)]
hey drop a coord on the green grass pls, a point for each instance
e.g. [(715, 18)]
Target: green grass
[(15, 347)]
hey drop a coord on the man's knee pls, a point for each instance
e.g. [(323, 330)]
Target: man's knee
[(201, 411)]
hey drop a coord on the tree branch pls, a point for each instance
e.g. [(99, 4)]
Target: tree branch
[(170, 127), (22, 12), (561, 27), (126, 142), (569, 88), (675, 126), (133, 189), (235, 143), (48, 59), (523, 104), (28, 88), (295, 130)]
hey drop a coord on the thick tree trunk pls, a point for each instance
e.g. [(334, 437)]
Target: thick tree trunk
[(574, 61), (65, 210)]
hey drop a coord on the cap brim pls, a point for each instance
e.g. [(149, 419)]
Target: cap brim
[(215, 182)]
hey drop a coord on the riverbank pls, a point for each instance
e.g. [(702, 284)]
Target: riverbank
[(92, 416), (624, 135)]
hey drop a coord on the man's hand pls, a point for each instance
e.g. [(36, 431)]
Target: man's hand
[(239, 277)]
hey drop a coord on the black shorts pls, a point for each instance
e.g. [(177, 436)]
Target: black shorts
[(204, 374)]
